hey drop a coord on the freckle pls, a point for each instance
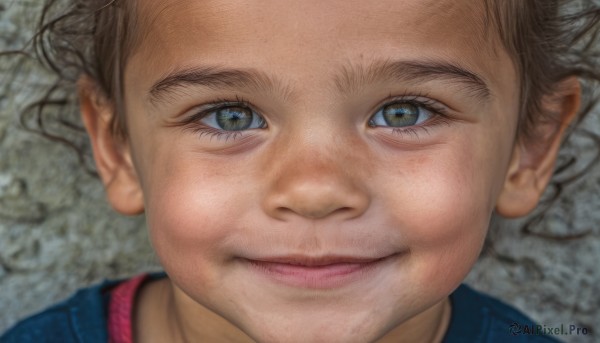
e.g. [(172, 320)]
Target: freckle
[(415, 165), (419, 161)]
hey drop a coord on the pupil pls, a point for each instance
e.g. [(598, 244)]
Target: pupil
[(234, 118), (399, 115)]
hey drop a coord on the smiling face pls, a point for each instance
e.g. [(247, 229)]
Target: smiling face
[(318, 170)]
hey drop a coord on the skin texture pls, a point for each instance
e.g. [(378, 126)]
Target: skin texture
[(317, 179)]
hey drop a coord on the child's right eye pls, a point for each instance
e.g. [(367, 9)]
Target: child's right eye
[(233, 118), (223, 119)]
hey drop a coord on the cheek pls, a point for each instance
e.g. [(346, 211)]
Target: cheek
[(191, 211), (442, 204)]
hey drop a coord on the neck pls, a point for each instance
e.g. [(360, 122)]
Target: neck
[(166, 314), (196, 323), (428, 326)]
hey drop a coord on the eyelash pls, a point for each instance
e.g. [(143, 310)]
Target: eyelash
[(191, 122), (439, 113)]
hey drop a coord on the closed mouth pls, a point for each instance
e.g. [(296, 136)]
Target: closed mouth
[(310, 261), (322, 272)]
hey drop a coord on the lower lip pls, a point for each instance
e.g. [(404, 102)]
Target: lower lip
[(328, 276)]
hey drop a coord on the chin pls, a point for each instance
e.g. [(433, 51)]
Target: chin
[(318, 327), (339, 333)]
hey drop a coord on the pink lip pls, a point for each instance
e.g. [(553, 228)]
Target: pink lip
[(316, 273)]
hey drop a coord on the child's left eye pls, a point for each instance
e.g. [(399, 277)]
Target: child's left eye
[(400, 114)]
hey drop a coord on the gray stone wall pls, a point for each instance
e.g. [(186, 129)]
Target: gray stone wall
[(57, 232)]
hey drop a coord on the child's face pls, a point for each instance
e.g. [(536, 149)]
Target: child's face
[(340, 158)]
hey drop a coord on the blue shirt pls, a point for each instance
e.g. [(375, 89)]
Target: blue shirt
[(477, 317), (83, 319)]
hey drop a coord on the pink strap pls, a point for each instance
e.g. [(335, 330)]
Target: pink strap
[(120, 310)]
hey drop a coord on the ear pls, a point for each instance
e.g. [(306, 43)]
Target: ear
[(112, 155), (532, 162)]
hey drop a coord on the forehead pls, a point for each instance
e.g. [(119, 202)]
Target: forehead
[(290, 37), (410, 12)]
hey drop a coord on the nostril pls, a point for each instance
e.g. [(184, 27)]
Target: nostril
[(301, 192), (343, 210), (316, 213)]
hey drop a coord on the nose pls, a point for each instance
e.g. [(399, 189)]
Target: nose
[(315, 184)]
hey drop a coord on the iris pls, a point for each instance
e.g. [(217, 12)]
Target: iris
[(234, 118), (400, 114)]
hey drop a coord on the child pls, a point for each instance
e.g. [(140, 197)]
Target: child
[(368, 145)]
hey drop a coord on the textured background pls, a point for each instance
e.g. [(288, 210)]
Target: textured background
[(57, 232)]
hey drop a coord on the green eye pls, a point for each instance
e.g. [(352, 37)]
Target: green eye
[(400, 114), (233, 118)]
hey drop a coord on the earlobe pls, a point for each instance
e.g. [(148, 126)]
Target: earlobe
[(112, 156), (520, 193), (532, 163)]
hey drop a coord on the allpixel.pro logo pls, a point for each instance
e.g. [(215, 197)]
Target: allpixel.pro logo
[(515, 329)]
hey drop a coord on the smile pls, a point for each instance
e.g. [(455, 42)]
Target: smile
[(325, 272)]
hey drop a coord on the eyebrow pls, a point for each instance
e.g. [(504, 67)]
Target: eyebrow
[(217, 78), (351, 78)]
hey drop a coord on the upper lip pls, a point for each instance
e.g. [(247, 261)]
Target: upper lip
[(315, 261)]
